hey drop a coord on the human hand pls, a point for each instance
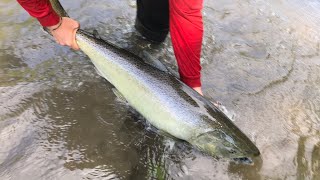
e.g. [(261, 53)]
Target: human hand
[(65, 32)]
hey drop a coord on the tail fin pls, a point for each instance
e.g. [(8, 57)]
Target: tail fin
[(57, 7)]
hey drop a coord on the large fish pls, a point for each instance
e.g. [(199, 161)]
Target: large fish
[(165, 101)]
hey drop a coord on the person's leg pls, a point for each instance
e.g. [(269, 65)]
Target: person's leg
[(152, 20), (186, 30)]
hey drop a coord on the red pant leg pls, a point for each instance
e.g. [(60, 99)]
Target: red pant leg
[(186, 30)]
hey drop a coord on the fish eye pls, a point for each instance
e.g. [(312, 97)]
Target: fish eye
[(232, 151)]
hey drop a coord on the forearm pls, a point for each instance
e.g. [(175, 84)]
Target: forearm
[(62, 29), (186, 30), (42, 10)]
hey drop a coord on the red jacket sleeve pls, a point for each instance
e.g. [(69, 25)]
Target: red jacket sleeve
[(42, 10), (186, 30)]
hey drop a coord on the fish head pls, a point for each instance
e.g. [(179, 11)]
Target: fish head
[(218, 136), (220, 144)]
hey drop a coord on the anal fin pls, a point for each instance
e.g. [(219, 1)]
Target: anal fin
[(119, 95)]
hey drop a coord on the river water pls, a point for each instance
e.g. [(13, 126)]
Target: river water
[(60, 120)]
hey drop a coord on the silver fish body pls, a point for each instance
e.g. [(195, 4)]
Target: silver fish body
[(166, 102)]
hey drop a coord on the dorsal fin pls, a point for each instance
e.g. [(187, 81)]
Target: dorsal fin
[(147, 58)]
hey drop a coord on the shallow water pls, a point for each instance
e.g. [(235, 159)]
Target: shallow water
[(60, 120)]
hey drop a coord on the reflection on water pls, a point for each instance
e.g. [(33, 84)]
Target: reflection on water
[(60, 120)]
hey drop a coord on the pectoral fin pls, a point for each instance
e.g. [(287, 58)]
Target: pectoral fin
[(163, 133)]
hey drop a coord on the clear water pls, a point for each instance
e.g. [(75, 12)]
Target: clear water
[(60, 120)]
